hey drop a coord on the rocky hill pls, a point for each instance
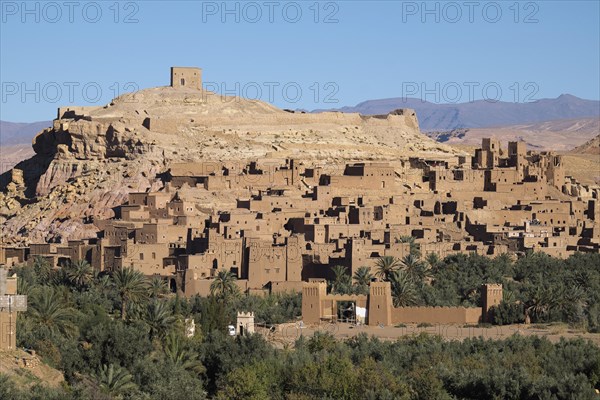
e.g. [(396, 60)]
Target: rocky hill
[(592, 147), (91, 158)]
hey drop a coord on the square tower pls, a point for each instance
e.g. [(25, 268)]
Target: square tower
[(312, 294), (190, 77), (380, 304), (491, 295)]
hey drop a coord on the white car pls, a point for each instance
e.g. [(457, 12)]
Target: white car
[(231, 330)]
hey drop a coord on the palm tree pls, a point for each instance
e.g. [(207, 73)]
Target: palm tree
[(540, 303), (342, 281), (48, 310), (114, 381), (403, 289), (432, 259), (131, 286), (385, 266), (42, 268), (80, 273), (159, 317), (157, 287), (103, 284), (180, 357), (224, 286), (23, 287), (405, 239), (415, 249), (415, 268), (363, 276)]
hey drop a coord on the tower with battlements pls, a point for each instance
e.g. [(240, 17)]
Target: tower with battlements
[(491, 295)]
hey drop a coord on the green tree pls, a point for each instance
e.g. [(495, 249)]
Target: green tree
[(131, 285), (159, 318), (540, 303), (23, 287), (414, 247), (403, 289), (414, 268), (432, 259), (385, 265), (223, 287), (507, 313), (342, 282), (247, 382), (115, 381), (157, 287), (181, 357), (362, 279), (48, 310), (42, 268), (79, 273)]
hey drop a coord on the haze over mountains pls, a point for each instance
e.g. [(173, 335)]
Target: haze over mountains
[(12, 133), (481, 113), (15, 141), (557, 135)]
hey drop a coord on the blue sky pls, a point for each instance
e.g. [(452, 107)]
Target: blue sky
[(303, 54)]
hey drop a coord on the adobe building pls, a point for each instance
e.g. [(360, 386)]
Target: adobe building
[(293, 220), (188, 77), (318, 306), (245, 323), (491, 296)]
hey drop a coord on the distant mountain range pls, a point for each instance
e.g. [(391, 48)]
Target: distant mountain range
[(12, 133), (481, 113), (15, 141), (558, 135)]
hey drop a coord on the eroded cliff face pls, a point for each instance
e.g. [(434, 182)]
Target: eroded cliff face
[(88, 162)]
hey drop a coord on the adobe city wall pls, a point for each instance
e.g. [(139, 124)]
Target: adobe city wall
[(436, 315)]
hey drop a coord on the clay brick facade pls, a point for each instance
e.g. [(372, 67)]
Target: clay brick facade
[(293, 220)]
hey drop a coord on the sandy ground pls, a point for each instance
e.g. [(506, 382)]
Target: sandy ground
[(12, 364), (583, 167)]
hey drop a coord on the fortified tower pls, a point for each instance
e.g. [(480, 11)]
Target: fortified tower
[(491, 295), (517, 153), (380, 304), (555, 172), (190, 77), (312, 294)]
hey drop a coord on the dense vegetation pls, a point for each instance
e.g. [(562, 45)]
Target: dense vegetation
[(544, 288), (122, 336)]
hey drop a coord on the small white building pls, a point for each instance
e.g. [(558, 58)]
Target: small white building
[(245, 323)]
